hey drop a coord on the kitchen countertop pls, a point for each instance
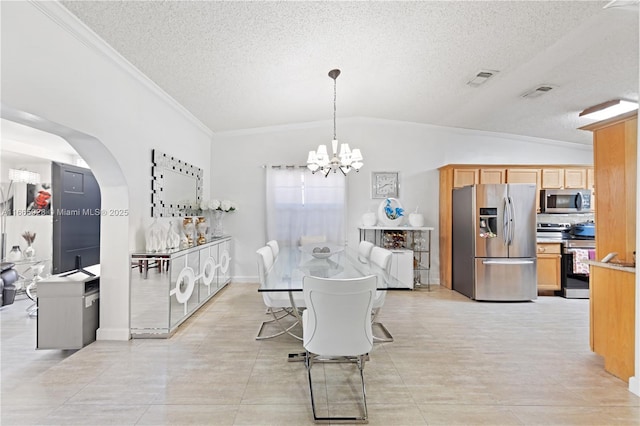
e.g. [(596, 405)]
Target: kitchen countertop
[(548, 240), (611, 265)]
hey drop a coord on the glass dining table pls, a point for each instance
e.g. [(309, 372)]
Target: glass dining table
[(341, 262)]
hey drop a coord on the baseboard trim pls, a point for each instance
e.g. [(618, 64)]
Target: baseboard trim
[(121, 334)]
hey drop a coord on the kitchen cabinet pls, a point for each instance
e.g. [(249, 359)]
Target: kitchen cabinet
[(549, 257), (552, 178), (575, 178), (492, 176), (400, 240), (459, 175), (565, 178), (517, 175), (591, 179), (464, 177), (613, 298)]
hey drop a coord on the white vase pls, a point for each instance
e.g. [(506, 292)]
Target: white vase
[(173, 237), (218, 227), (155, 237), (416, 219), (369, 219)]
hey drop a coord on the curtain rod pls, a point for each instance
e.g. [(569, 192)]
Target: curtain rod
[(264, 166)]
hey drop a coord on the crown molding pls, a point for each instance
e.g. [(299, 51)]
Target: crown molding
[(70, 23)]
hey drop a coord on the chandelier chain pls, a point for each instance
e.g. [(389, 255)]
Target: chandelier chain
[(334, 108)]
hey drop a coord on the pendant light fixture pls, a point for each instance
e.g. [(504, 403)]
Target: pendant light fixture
[(343, 160)]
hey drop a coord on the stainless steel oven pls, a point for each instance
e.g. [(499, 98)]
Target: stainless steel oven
[(565, 201), (575, 272)]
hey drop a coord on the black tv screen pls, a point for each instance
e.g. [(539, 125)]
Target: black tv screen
[(76, 212)]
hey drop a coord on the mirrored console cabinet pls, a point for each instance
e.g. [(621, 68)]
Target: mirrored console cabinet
[(168, 287)]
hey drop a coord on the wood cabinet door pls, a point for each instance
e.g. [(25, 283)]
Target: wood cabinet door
[(549, 266), (464, 177), (552, 178), (490, 176), (575, 178), (591, 179), (523, 176)]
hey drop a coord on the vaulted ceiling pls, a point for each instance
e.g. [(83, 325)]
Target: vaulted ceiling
[(239, 65)]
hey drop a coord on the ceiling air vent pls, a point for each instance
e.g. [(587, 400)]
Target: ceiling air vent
[(481, 77), (539, 91)]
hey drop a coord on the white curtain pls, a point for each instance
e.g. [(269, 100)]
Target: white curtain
[(301, 203)]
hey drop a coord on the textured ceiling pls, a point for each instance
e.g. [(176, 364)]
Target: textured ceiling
[(239, 65)]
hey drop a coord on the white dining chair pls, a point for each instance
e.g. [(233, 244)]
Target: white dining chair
[(336, 326), (278, 303), (311, 239), (381, 257), (364, 250), (275, 248)]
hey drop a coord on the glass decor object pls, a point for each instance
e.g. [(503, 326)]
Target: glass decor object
[(14, 254), (218, 226)]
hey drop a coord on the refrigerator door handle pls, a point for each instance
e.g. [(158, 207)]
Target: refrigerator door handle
[(506, 221), (512, 220), (507, 262)]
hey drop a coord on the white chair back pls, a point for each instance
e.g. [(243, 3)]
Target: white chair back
[(310, 239), (265, 262), (364, 249), (275, 248), (382, 258), (337, 321)]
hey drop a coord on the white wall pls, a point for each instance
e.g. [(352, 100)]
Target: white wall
[(50, 70), (415, 150)]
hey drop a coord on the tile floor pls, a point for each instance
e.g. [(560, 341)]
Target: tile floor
[(453, 362)]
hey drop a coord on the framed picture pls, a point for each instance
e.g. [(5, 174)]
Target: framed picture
[(384, 185)]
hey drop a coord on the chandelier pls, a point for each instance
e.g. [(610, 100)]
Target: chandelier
[(345, 159)]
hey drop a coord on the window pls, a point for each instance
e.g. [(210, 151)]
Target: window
[(301, 203)]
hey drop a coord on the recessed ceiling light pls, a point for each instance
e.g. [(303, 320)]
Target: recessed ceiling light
[(539, 91), (481, 77), (608, 109)]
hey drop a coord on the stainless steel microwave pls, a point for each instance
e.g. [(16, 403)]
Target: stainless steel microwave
[(565, 201)]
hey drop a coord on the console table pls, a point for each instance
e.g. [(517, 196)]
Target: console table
[(399, 239), (168, 287)]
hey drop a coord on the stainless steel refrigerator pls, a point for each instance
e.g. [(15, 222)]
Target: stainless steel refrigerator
[(494, 242)]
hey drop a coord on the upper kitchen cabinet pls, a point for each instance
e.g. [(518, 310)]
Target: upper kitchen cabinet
[(492, 176), (575, 178), (518, 175), (473, 176), (565, 178), (552, 178), (464, 177)]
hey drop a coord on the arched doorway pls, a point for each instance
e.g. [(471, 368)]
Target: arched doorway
[(114, 246)]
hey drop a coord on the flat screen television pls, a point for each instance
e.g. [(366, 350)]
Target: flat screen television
[(76, 211)]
